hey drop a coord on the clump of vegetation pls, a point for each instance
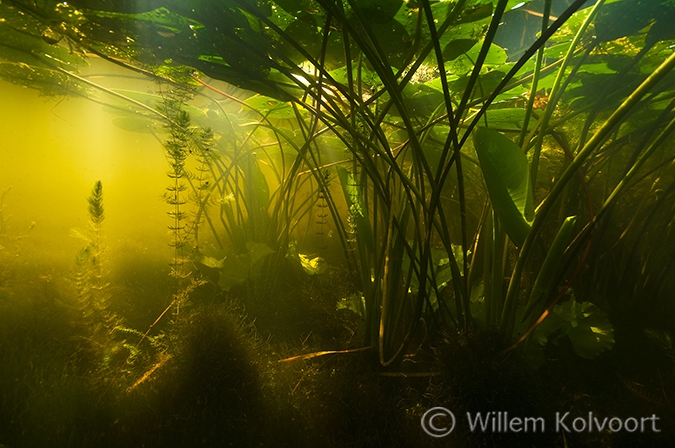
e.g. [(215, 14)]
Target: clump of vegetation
[(210, 386), (100, 326)]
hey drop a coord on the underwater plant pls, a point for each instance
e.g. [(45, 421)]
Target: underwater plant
[(453, 153), (209, 388), (93, 292), (114, 359)]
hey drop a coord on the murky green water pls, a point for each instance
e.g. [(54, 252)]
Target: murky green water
[(234, 223)]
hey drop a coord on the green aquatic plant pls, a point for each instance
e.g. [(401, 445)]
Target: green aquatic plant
[(177, 146), (209, 386), (114, 359), (121, 362), (458, 167), (93, 292)]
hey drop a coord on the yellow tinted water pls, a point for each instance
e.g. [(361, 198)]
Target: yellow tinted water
[(52, 150)]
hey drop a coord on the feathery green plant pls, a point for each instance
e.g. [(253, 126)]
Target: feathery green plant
[(101, 324), (90, 274), (177, 152)]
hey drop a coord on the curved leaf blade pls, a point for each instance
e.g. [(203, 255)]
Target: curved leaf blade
[(507, 177)]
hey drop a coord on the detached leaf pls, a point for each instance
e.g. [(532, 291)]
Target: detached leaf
[(507, 177), (311, 265)]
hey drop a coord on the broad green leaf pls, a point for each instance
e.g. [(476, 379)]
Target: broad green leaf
[(367, 77), (476, 10), (304, 33), (421, 100), (24, 39), (624, 18), (507, 177), (313, 265), (258, 252), (487, 82), (152, 100), (461, 32), (293, 7), (379, 11), (394, 41), (237, 269), (507, 119), (271, 108), (211, 262), (596, 69), (457, 48), (588, 329), (663, 28), (120, 6), (49, 82), (355, 303), (149, 99), (464, 63)]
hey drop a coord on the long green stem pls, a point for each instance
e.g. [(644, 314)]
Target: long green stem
[(533, 94)]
